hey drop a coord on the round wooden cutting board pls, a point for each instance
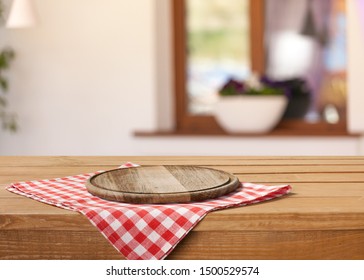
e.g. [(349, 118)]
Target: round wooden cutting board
[(161, 184)]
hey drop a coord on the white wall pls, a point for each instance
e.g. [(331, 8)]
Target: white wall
[(83, 80), (355, 66), (90, 75)]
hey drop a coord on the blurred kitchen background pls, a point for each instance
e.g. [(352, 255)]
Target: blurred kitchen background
[(93, 77)]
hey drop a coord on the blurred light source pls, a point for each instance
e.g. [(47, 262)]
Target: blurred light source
[(290, 55), (22, 14)]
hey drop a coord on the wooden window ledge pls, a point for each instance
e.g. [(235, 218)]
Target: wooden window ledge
[(287, 128)]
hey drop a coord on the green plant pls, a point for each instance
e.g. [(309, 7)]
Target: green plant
[(7, 54), (253, 86), (8, 119)]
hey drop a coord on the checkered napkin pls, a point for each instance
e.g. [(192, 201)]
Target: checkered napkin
[(139, 231)]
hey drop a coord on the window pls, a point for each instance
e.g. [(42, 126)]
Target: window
[(189, 116), (218, 48), (194, 116)]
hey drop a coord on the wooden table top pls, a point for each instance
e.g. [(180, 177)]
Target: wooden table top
[(323, 218)]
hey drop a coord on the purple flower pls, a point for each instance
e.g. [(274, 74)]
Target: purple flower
[(232, 87)]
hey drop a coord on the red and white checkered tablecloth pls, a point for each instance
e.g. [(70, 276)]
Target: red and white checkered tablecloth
[(139, 231)]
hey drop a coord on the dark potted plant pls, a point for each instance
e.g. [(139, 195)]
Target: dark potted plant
[(298, 93)]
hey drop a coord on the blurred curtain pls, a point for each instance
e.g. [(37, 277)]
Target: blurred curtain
[(309, 18), (361, 12)]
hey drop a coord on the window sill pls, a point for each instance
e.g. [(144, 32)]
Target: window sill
[(287, 128)]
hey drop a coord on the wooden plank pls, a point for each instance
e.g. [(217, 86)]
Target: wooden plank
[(27, 206), (47, 171), (238, 169), (285, 169), (351, 191), (293, 213), (195, 160), (271, 179), (253, 245), (6, 194), (328, 189), (302, 178), (43, 222), (212, 222), (53, 245), (270, 176), (25, 175), (305, 205), (245, 162), (272, 245), (309, 189), (279, 222), (292, 203)]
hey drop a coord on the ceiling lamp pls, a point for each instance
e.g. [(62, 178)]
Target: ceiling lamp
[(22, 14)]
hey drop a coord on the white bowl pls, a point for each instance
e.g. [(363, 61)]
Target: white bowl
[(250, 114)]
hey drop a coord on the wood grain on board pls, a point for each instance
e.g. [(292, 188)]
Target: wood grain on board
[(161, 184)]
